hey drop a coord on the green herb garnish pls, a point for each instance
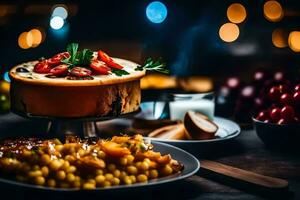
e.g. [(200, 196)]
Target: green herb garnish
[(119, 72), (82, 58), (151, 65)]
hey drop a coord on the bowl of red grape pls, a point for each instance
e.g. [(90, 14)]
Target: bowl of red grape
[(278, 125)]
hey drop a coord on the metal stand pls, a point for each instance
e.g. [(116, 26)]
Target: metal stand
[(83, 127)]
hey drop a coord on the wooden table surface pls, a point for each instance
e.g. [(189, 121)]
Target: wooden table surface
[(245, 152)]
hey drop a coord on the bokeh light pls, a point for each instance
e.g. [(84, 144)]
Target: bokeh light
[(25, 40), (4, 87), (6, 77), (60, 11), (294, 41), (36, 37), (273, 11), (3, 11), (57, 22), (279, 38), (229, 32), (156, 12), (236, 13)]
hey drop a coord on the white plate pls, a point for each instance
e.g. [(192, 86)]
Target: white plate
[(227, 130)]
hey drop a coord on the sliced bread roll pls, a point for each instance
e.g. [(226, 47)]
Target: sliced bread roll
[(198, 126)]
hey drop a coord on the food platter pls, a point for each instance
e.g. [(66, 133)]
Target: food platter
[(227, 130), (190, 163)]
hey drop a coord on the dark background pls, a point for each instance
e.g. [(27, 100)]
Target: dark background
[(188, 39)]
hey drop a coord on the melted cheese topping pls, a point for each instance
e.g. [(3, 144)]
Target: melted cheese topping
[(37, 78)]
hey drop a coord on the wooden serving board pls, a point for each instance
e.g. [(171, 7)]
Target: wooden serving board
[(244, 180)]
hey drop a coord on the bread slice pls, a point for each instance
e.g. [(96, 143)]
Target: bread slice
[(174, 132), (199, 126)]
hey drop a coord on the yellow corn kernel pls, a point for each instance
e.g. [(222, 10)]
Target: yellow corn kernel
[(111, 167), (89, 186), (132, 170), (70, 177), (45, 171), (51, 183), (153, 173), (142, 178), (123, 161), (61, 175), (115, 181), (39, 180)]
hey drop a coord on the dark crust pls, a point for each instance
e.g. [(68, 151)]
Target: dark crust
[(116, 107)]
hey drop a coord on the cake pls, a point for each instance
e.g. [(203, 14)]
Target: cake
[(76, 84)]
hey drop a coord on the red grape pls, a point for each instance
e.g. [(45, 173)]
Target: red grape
[(296, 119), (284, 88), (274, 93), (296, 98), (288, 113), (286, 99), (297, 88), (275, 114), (263, 115), (282, 121)]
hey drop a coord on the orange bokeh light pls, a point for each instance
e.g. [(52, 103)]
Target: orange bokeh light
[(229, 32), (279, 38), (25, 40), (236, 13), (294, 41), (36, 37), (273, 11)]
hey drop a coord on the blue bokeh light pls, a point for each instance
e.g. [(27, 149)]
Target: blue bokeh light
[(6, 77), (60, 11), (156, 12), (57, 22)]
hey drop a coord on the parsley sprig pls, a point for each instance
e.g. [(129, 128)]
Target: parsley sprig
[(82, 58), (152, 65), (119, 72)]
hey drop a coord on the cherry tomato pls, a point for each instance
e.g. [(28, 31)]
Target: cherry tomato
[(288, 113), (59, 70), (286, 99), (42, 67), (104, 57), (108, 60), (274, 93), (115, 65), (263, 115), (56, 59), (80, 72), (275, 114), (100, 67)]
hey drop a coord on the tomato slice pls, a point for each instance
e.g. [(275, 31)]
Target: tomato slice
[(108, 60), (56, 59), (42, 67), (104, 57), (100, 67), (80, 72), (115, 65), (59, 70)]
